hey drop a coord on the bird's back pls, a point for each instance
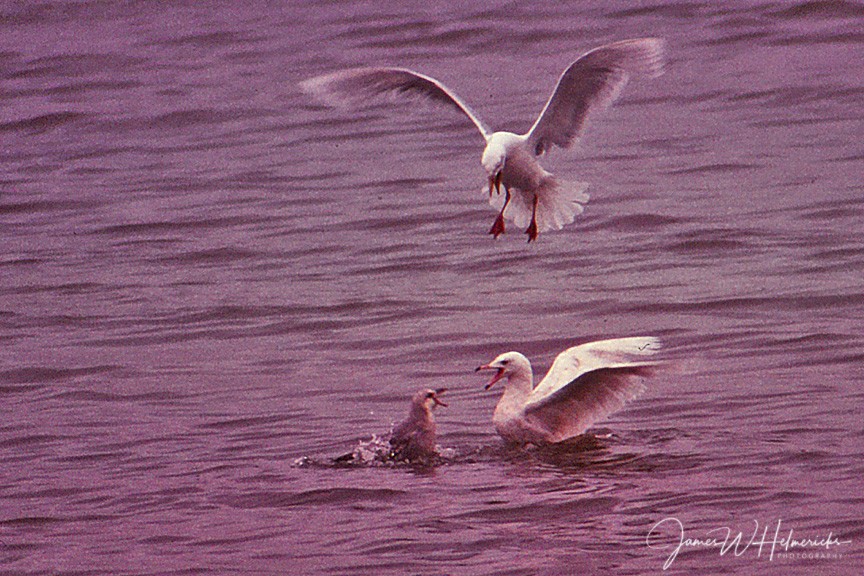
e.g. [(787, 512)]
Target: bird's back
[(413, 440)]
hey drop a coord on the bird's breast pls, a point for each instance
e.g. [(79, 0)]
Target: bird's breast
[(509, 421), (518, 430), (521, 170)]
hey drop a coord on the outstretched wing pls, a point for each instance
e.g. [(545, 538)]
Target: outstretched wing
[(572, 409), (573, 362), (592, 82), (356, 85)]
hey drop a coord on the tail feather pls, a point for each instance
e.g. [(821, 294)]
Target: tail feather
[(558, 204)]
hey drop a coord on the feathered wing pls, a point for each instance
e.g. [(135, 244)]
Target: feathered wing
[(590, 83), (357, 85), (575, 361), (413, 440), (594, 395), (403, 434), (405, 440)]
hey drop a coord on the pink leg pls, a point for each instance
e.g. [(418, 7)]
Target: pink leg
[(498, 227), (531, 231)]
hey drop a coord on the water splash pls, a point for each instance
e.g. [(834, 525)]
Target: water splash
[(376, 452)]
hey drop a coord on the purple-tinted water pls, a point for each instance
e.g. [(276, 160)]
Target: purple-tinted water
[(207, 280)]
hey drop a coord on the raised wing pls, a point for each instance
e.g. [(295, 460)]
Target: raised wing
[(575, 361), (571, 410), (356, 85), (592, 82)]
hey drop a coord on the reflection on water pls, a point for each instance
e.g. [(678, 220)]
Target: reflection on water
[(211, 286)]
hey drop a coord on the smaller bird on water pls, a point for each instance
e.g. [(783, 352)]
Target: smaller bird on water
[(414, 439)]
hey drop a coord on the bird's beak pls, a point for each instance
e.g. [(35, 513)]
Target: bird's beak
[(435, 399), (498, 375), (495, 183)]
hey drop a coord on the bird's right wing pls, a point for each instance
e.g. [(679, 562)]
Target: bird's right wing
[(592, 82), (357, 85)]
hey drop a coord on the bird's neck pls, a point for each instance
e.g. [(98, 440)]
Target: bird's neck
[(420, 414), (519, 386), (512, 402)]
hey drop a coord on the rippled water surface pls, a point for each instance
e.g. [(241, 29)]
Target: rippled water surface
[(211, 285)]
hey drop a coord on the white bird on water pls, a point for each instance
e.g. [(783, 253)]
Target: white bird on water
[(414, 438), (533, 197), (585, 384)]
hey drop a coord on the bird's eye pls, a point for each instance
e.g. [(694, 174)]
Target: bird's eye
[(505, 362), (430, 395)]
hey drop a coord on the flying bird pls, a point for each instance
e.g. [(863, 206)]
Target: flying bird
[(533, 198), (414, 439), (585, 384)]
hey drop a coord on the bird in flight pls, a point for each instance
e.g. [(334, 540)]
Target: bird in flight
[(533, 198)]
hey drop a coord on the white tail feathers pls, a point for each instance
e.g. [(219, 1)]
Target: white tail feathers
[(558, 204)]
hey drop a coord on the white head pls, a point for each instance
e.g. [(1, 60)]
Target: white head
[(507, 365), (494, 157)]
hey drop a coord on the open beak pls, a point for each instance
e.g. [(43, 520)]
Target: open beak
[(498, 375), (495, 183), (435, 398)]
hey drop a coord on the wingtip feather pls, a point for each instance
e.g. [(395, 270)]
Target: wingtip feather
[(647, 55)]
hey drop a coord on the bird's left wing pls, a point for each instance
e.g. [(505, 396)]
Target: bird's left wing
[(592, 82), (402, 438), (573, 408), (356, 85), (575, 361)]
